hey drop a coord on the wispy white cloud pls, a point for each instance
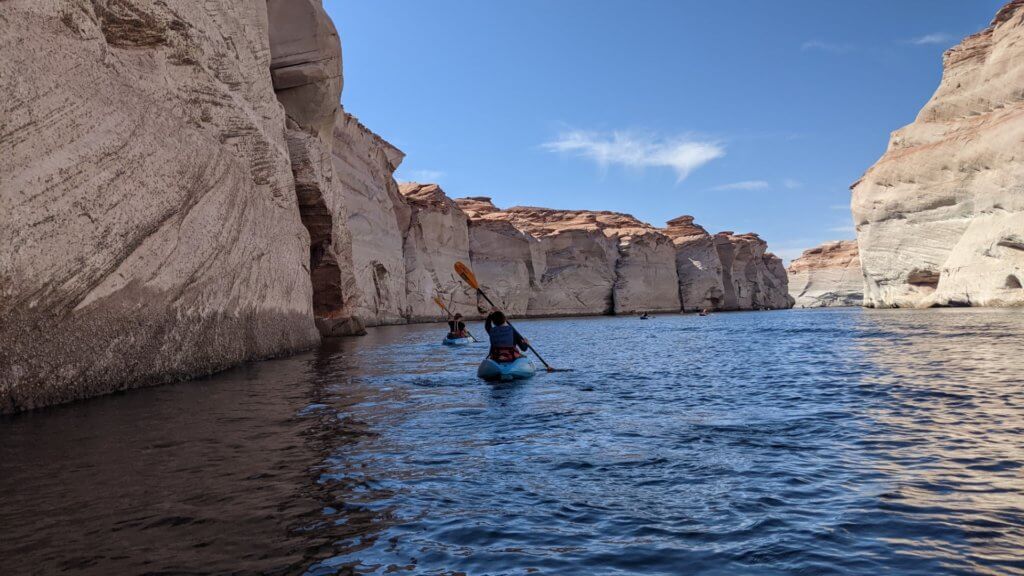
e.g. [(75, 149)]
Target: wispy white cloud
[(423, 176), (681, 154), (792, 184), (744, 185), (823, 46), (934, 38)]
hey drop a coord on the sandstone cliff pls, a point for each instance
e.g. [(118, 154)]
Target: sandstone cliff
[(597, 263), (149, 218), (575, 262), (377, 217), (306, 71), (436, 237), (726, 271), (181, 191), (939, 217), (828, 275)]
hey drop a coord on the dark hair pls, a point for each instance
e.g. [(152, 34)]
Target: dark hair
[(458, 315), (498, 317)]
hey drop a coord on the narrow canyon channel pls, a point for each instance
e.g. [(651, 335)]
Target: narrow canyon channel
[(835, 441)]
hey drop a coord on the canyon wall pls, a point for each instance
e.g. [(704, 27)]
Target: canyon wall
[(827, 275), (182, 191), (580, 262), (940, 216), (149, 219)]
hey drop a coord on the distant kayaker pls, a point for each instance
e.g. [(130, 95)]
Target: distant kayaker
[(506, 342), (457, 328), (645, 316), (704, 312)]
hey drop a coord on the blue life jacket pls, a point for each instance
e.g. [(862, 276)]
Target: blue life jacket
[(502, 336)]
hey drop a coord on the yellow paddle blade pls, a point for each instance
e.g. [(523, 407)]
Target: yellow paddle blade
[(467, 275), (439, 302)]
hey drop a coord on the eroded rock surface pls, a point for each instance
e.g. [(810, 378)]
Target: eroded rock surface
[(598, 263), (752, 278), (377, 218), (307, 75), (939, 216), (149, 221), (827, 275), (697, 265), (436, 238), (504, 258)]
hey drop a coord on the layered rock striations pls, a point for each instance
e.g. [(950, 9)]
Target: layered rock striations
[(827, 275), (436, 237), (939, 217), (182, 191), (377, 216), (597, 263), (726, 271), (149, 220), (578, 262), (307, 76)]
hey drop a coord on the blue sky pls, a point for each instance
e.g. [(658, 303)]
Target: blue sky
[(751, 115)]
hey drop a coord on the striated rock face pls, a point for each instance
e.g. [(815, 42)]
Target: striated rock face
[(436, 238), (939, 217), (598, 263), (377, 218), (697, 265), (828, 275), (306, 70), (149, 218), (751, 277), (504, 258)]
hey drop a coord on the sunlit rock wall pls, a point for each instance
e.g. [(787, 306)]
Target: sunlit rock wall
[(149, 221), (827, 275), (437, 237), (939, 217)]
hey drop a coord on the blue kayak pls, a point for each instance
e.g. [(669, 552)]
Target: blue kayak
[(456, 341), (518, 369)]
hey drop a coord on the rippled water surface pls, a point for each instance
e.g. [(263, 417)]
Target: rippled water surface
[(798, 442)]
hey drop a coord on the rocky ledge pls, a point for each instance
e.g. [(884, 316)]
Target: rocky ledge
[(828, 275)]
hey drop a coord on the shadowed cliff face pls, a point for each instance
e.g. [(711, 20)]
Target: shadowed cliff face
[(307, 74), (149, 221), (828, 275), (939, 215)]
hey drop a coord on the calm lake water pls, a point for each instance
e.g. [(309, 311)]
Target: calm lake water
[(795, 442)]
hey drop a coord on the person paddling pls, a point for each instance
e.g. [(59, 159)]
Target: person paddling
[(457, 328), (507, 343)]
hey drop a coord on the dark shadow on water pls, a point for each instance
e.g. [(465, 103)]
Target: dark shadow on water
[(831, 441)]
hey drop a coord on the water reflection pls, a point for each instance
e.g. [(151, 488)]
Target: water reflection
[(840, 441)]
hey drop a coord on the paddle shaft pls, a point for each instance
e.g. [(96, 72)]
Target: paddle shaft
[(528, 345)]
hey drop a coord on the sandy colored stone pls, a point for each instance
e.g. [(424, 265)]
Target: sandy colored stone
[(752, 278), (306, 69), (697, 265), (149, 218), (377, 217), (437, 237), (939, 215), (827, 275)]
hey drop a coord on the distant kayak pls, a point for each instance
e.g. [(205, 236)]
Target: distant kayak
[(456, 341), (519, 369)]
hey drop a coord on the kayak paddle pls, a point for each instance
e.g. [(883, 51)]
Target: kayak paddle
[(439, 302), (463, 271)]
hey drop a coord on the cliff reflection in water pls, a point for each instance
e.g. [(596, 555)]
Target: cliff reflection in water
[(948, 430), (827, 441)]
